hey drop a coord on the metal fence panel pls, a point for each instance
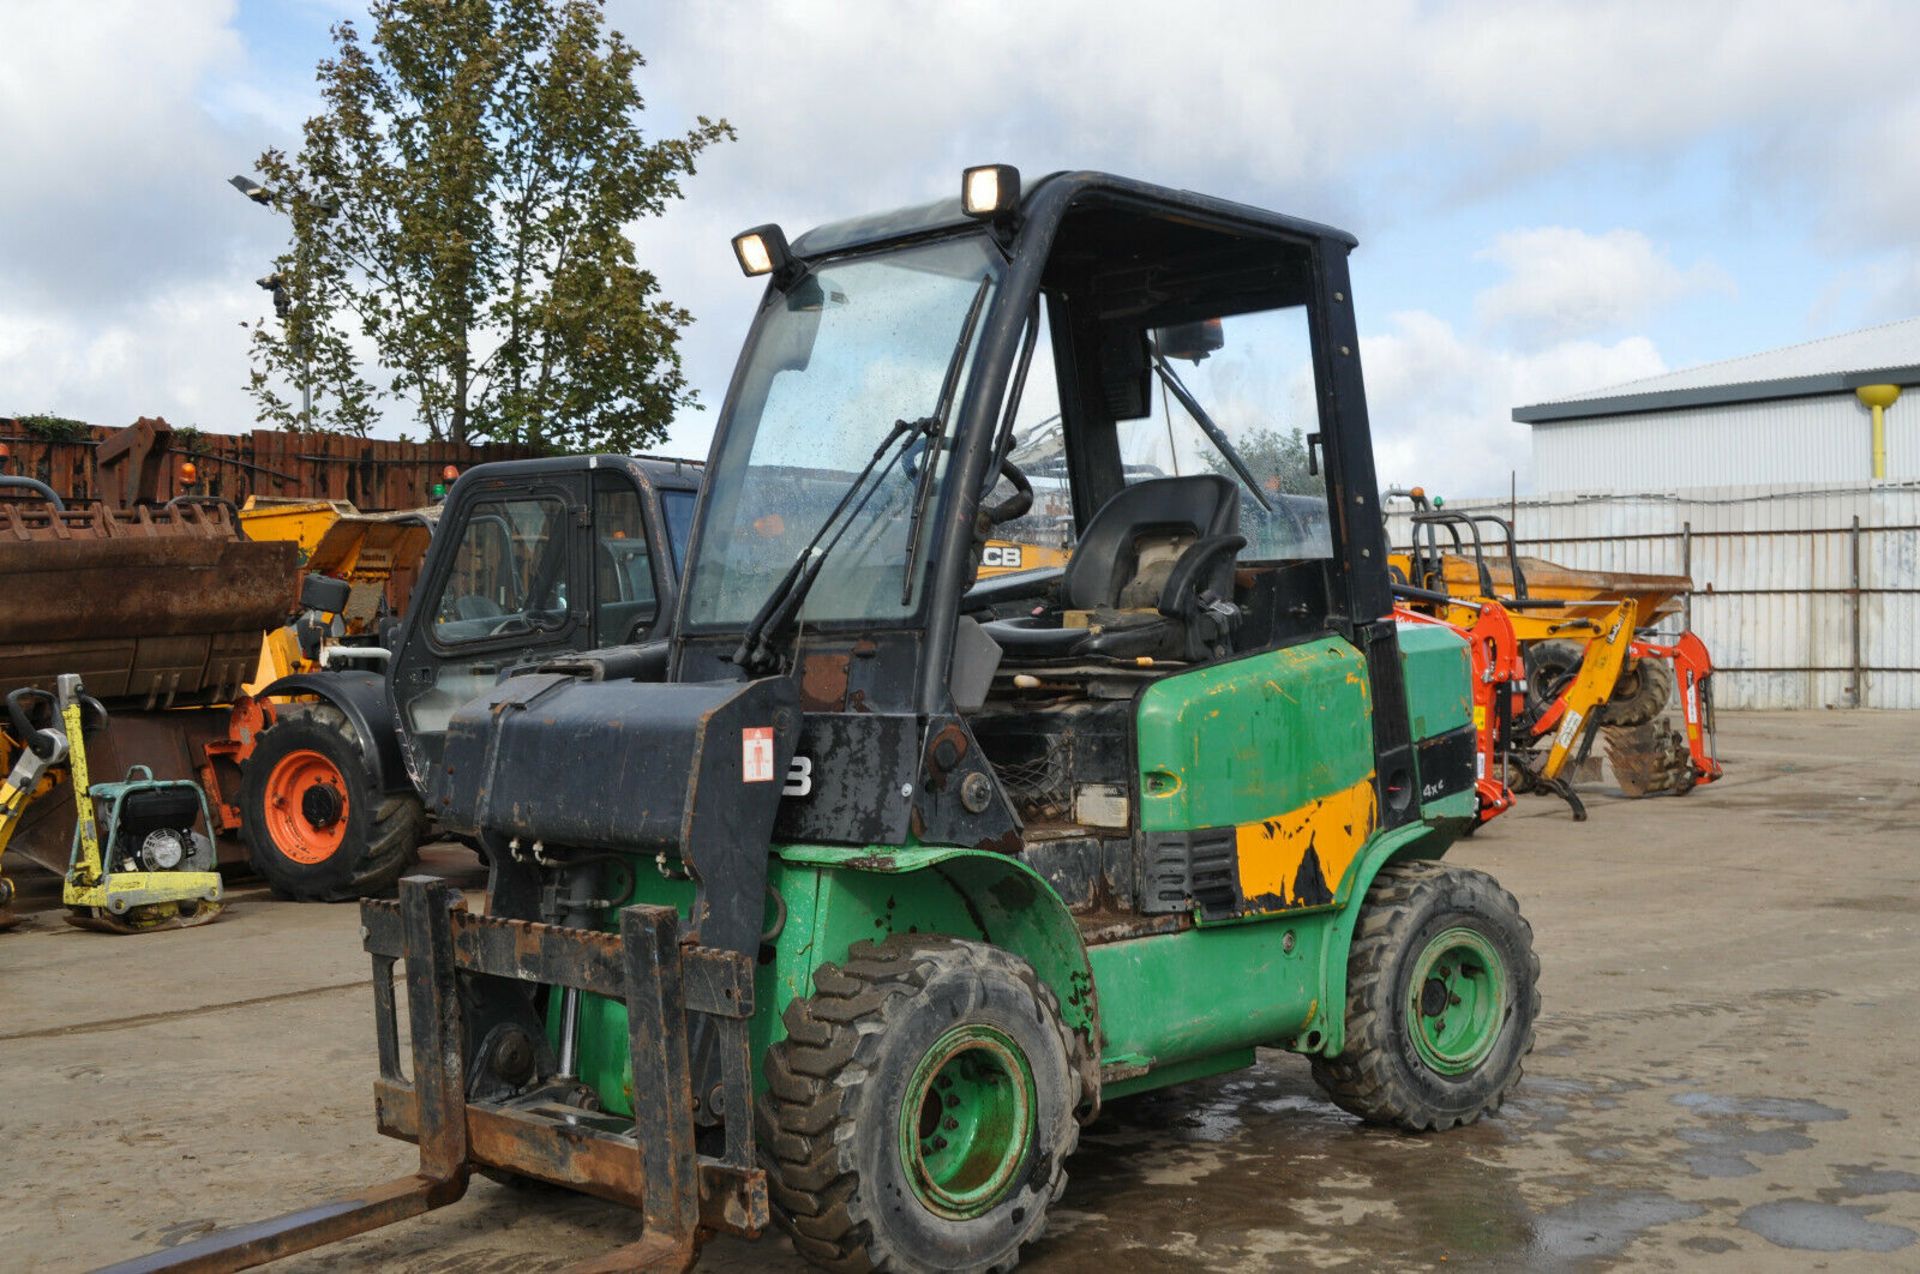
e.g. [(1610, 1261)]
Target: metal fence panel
[(376, 474), (1799, 609)]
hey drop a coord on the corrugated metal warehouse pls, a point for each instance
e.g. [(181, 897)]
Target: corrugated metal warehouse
[(1771, 481), (1797, 414)]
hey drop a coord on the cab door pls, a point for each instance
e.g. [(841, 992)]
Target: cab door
[(507, 583), (629, 590)]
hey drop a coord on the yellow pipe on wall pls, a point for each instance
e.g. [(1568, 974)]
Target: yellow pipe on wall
[(1878, 398)]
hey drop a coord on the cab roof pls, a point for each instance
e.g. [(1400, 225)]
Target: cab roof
[(1052, 195)]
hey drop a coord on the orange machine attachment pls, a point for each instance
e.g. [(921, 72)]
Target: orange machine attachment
[(1693, 672)]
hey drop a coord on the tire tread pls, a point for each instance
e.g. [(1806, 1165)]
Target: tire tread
[(394, 832), (1362, 1080), (833, 1042)]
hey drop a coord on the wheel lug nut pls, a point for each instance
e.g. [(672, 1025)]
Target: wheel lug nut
[(952, 1101), (943, 1082), (1453, 999), (950, 1124), (939, 1143)]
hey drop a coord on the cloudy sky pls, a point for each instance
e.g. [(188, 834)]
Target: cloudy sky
[(1549, 197)]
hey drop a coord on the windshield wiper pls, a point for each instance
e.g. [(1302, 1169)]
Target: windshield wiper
[(1213, 431), (755, 652), (937, 437)]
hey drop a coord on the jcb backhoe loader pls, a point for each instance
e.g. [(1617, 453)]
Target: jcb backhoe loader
[(853, 917)]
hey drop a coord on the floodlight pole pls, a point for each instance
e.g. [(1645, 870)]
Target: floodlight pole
[(259, 194)]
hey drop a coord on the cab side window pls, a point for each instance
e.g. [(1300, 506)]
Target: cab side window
[(508, 572), (625, 602), (1251, 376)]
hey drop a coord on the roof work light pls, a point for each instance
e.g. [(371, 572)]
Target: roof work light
[(989, 190), (761, 250)]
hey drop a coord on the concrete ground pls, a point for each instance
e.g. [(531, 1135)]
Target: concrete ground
[(1724, 1077)]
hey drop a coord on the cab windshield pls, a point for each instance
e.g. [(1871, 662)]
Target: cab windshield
[(843, 353)]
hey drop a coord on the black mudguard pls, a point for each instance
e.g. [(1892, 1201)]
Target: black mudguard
[(362, 697)]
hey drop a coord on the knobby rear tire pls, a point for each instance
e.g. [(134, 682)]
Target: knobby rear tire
[(1380, 1074)]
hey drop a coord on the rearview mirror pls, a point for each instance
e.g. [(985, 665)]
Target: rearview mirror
[(1190, 341)]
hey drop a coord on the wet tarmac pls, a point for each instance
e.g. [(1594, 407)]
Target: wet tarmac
[(1723, 1078)]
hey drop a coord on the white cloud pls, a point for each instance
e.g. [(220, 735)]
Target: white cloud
[(1271, 100), (126, 264), (153, 358), (1565, 282), (1279, 106), (1441, 403), (119, 125)]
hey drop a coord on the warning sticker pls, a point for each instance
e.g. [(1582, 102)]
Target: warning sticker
[(1563, 739), (756, 754)]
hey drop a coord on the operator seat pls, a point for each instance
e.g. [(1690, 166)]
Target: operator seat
[(1152, 576)]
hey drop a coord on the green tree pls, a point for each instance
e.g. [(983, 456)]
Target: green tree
[(458, 211), (1278, 460)]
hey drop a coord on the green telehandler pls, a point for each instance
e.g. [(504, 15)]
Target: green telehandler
[(848, 906)]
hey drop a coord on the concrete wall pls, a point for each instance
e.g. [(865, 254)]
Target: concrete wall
[(1823, 439), (1774, 577)]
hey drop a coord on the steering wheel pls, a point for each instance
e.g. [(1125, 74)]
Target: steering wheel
[(511, 624), (474, 606), (1015, 505)]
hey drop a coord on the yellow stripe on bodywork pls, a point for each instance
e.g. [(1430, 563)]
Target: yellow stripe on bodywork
[(1274, 852)]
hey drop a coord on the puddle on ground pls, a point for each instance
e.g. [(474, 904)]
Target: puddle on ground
[(1797, 1110), (1806, 1226), (1602, 1224), (1722, 1152), (1856, 1181), (1259, 1170)]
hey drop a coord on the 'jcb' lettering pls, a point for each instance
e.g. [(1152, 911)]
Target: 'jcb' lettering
[(1002, 555)]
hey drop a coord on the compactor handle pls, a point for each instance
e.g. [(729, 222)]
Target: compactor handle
[(24, 730), (93, 713)]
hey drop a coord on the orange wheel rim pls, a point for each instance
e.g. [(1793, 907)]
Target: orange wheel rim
[(307, 806)]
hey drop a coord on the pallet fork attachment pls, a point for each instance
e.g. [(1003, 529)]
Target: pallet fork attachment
[(649, 1162)]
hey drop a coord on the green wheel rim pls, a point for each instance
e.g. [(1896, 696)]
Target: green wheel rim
[(1456, 1001), (967, 1121)]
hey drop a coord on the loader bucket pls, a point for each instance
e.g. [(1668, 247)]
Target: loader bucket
[(155, 609), (166, 606)]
